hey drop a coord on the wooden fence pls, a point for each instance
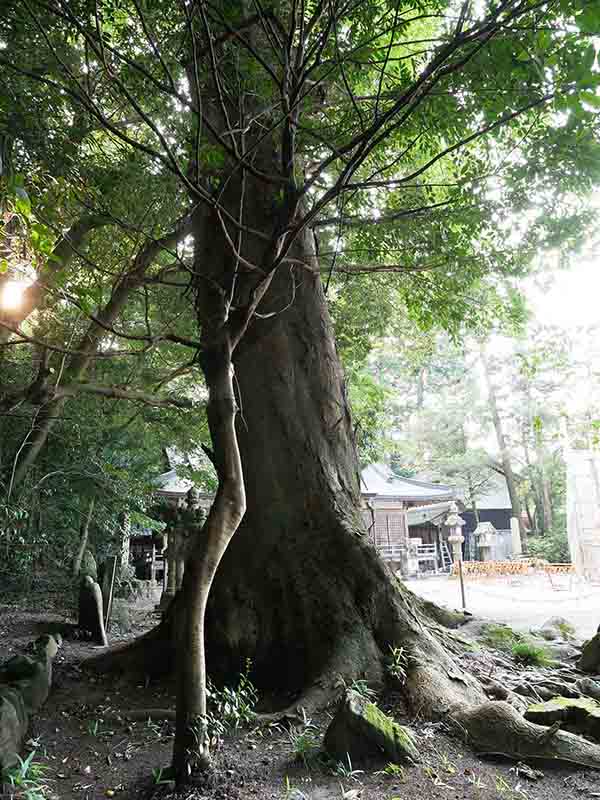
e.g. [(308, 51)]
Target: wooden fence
[(524, 566)]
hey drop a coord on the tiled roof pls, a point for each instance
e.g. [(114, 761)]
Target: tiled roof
[(379, 481)]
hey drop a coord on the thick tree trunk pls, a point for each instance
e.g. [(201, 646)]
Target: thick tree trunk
[(300, 590)]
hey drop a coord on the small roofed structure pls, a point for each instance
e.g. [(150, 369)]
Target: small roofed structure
[(393, 505), (172, 488)]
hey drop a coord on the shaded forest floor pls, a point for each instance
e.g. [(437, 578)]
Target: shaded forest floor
[(89, 754)]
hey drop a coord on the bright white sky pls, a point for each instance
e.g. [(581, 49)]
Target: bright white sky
[(571, 298)]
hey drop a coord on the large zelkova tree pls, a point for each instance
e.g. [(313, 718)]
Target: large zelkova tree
[(287, 142)]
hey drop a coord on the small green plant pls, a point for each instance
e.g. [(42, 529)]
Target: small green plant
[(502, 786), (155, 727), (398, 664), (305, 747), (447, 764), (500, 637), (27, 779), (345, 769), (93, 727), (360, 686), (393, 771), (433, 776), (476, 780), (160, 775), (567, 631), (289, 788), (233, 705), (531, 654)]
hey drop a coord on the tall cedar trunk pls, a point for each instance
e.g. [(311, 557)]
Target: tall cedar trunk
[(507, 469), (541, 482)]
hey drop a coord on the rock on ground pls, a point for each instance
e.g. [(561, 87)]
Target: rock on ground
[(24, 686), (360, 731), (590, 655)]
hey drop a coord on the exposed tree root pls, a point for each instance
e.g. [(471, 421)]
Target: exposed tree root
[(141, 715), (435, 684), (151, 655), (496, 728)]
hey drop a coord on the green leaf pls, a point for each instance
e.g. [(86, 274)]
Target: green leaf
[(3, 265), (591, 98), (589, 19)]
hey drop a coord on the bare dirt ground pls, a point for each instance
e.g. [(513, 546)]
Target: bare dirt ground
[(88, 755), (523, 602)]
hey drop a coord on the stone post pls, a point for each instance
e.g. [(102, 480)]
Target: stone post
[(515, 537), (125, 526), (454, 523), (172, 563), (153, 564), (180, 556), (486, 536)]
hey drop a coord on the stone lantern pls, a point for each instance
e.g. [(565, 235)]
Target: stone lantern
[(486, 536), (454, 522)]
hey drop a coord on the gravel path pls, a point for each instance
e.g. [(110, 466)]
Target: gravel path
[(522, 602)]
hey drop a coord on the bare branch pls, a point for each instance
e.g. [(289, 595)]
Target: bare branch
[(118, 393)]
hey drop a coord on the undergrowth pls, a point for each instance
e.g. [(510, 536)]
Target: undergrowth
[(500, 637), (26, 781), (521, 648), (230, 707), (531, 654)]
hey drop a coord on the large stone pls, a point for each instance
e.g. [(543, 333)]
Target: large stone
[(588, 687), (24, 686), (89, 566), (91, 616), (107, 585), (580, 715), (31, 677), (361, 731), (556, 628), (13, 725), (590, 655)]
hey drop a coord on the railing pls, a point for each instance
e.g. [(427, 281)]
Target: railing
[(394, 552), (391, 552), (426, 552)]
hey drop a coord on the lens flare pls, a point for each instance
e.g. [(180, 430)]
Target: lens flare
[(11, 295)]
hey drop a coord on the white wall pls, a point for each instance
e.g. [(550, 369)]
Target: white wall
[(583, 511)]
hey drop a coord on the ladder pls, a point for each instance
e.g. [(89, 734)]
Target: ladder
[(446, 558)]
